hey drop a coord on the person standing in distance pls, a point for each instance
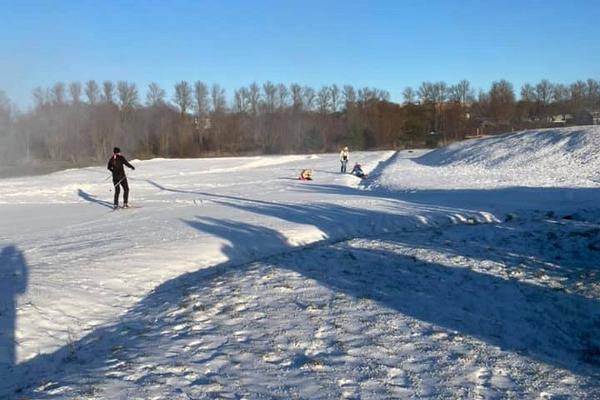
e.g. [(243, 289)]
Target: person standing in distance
[(115, 165), (344, 154)]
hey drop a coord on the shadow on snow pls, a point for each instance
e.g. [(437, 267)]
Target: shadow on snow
[(457, 299), (13, 282), (88, 197)]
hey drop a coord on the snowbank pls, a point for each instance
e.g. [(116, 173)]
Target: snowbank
[(561, 157)]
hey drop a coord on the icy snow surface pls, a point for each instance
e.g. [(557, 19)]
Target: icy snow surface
[(464, 272)]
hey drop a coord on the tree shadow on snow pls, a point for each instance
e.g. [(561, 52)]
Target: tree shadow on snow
[(440, 209), (553, 327), (499, 201), (550, 326)]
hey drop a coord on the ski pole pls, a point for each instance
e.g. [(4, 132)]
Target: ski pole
[(118, 183)]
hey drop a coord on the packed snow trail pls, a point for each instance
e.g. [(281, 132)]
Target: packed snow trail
[(90, 269)]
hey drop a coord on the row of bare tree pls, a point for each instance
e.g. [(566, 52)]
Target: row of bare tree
[(80, 123)]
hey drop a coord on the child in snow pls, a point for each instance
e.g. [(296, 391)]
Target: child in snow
[(358, 171), (306, 175), (115, 165), (344, 155)]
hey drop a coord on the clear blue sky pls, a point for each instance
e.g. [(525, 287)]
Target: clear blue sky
[(386, 44)]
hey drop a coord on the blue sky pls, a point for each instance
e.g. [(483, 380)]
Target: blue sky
[(386, 44)]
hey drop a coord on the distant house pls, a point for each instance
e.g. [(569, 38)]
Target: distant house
[(561, 119), (595, 117)]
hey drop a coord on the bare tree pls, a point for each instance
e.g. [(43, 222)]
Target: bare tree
[(365, 95), (4, 103), (201, 98), (383, 95), (369, 95), (543, 92), (502, 101), (323, 99), (183, 96), (39, 97), (334, 94), (560, 93), (528, 93), (578, 90), (297, 100), (128, 95), (75, 92), (308, 97), (462, 93), (5, 112), (240, 97), (440, 90), (283, 96), (592, 88), (409, 95), (92, 91), (5, 126), (254, 97), (593, 92), (427, 93), (108, 92), (219, 103), (349, 94), (270, 96), (155, 96), (58, 93)]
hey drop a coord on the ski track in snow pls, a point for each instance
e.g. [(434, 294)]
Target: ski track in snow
[(442, 275)]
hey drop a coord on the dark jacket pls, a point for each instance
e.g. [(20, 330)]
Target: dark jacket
[(115, 165)]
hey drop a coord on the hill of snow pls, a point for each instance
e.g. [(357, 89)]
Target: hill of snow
[(464, 272), (544, 158)]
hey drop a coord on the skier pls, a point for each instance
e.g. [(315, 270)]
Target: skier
[(344, 154), (115, 165), (358, 171)]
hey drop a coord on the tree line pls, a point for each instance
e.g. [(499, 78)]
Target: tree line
[(79, 123)]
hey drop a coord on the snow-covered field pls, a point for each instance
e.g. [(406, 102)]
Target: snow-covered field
[(465, 272)]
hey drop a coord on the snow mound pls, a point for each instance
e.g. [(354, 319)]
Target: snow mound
[(554, 148), (558, 157)]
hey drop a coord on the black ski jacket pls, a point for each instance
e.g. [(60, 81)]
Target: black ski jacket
[(115, 165)]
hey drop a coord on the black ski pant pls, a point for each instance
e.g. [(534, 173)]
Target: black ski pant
[(118, 182)]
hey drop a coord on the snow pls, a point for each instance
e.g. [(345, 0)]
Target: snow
[(544, 158), (464, 272)]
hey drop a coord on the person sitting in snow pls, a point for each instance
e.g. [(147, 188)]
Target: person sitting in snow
[(115, 165), (306, 175), (358, 171), (344, 155)]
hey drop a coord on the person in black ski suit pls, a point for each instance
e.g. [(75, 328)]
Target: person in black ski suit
[(358, 171), (115, 165)]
